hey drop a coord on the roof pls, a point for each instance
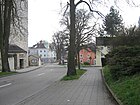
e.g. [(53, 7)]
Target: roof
[(15, 49), (88, 49), (38, 45), (103, 41), (90, 46), (36, 56)]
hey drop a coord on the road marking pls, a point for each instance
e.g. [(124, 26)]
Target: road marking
[(41, 74), (5, 85)]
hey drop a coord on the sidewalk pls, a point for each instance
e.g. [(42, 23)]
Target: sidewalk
[(88, 90), (28, 69)]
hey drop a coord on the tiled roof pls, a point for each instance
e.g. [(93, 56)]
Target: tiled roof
[(15, 49), (89, 47), (38, 45)]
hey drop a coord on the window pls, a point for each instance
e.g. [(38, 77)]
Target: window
[(44, 55), (44, 50), (34, 61), (88, 60), (81, 56), (40, 50)]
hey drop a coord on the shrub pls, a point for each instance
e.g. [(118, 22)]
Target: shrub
[(124, 61), (86, 63)]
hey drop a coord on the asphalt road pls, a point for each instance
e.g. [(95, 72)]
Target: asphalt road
[(15, 88)]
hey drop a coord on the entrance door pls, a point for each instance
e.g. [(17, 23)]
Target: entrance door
[(21, 63)]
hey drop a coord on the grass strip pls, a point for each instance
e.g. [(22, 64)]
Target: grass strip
[(79, 72), (127, 88), (6, 73)]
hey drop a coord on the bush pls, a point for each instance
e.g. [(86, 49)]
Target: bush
[(124, 61), (126, 89), (86, 63)]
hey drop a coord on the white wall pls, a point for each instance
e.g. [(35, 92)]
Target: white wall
[(101, 51), (11, 63), (33, 51), (43, 52)]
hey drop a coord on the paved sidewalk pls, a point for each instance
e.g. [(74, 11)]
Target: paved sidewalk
[(88, 90), (28, 69)]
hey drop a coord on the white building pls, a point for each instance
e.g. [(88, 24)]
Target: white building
[(42, 49), (102, 48)]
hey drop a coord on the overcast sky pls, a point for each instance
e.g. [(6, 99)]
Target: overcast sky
[(44, 16)]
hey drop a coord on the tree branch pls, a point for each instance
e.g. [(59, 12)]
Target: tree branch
[(68, 4), (82, 1)]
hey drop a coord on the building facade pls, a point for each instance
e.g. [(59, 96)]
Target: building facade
[(42, 49), (19, 37), (34, 60), (87, 55), (102, 48)]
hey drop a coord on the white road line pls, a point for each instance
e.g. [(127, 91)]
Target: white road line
[(5, 85), (40, 74)]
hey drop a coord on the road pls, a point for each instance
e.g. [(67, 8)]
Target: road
[(15, 88)]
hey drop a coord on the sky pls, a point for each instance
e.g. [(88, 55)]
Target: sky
[(44, 17)]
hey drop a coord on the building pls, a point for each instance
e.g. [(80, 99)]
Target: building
[(19, 37), (102, 48), (16, 57), (42, 49), (34, 60), (87, 55)]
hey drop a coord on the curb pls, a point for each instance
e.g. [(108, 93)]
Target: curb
[(20, 72), (30, 70), (118, 102)]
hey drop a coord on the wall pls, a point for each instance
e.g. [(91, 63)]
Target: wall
[(85, 56), (11, 63), (101, 51), (20, 37)]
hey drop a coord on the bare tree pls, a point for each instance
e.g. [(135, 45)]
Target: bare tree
[(72, 47), (59, 43), (84, 31)]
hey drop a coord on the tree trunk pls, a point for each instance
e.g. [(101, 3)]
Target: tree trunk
[(71, 53), (78, 61), (1, 25), (5, 35), (4, 57), (59, 54), (1, 29)]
